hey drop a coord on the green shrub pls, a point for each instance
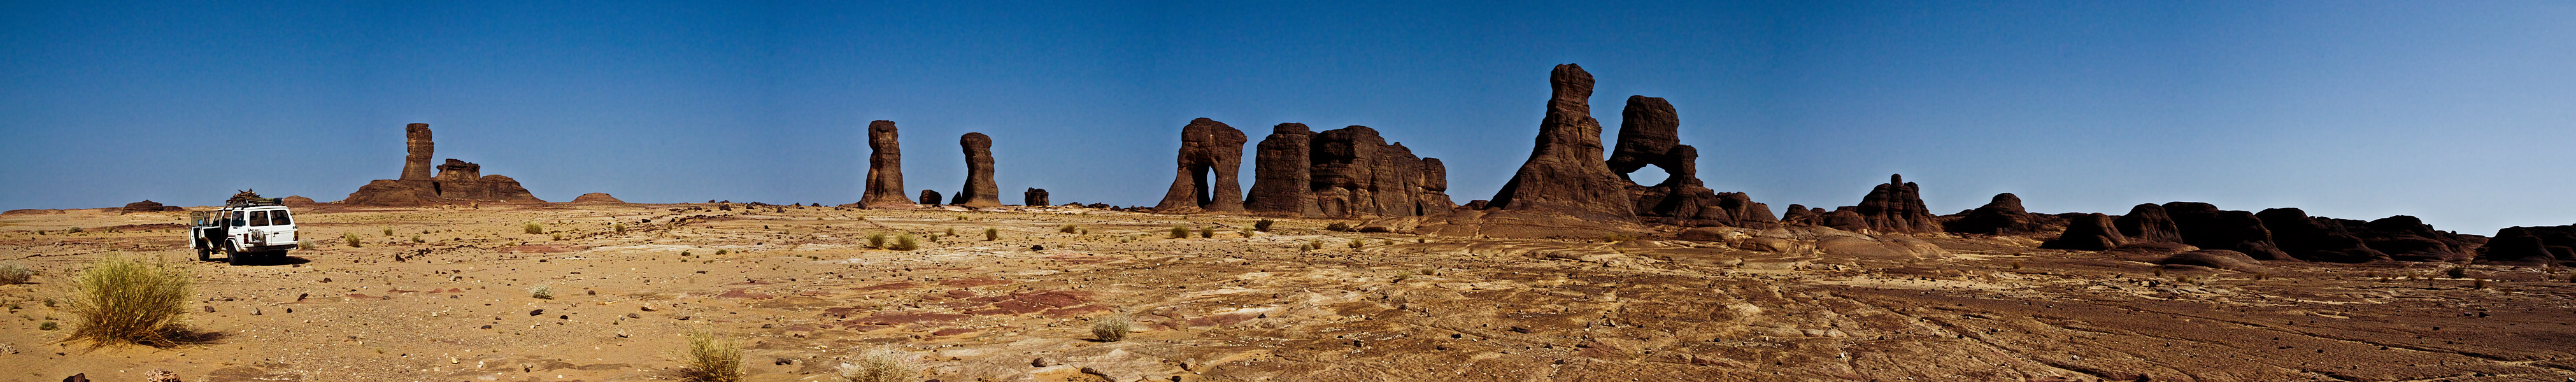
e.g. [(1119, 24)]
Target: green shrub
[(876, 240), (48, 325), (906, 243), (416, 239), (546, 292), (1112, 328), (533, 228), (619, 227), (1207, 233), (11, 273), (1337, 227), (881, 365), (991, 234), (952, 231), (1247, 232), (352, 239), (1179, 232), (122, 300), (1356, 243), (1263, 225), (389, 232), (711, 359)]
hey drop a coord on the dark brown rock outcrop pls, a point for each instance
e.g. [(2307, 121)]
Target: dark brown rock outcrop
[(1208, 148), (2531, 246), (885, 168), (2001, 216), (456, 181), (2205, 226), (2317, 238), (2088, 232), (1283, 173), (1897, 207), (929, 197), (980, 192), (596, 197), (1034, 197), (148, 206), (1649, 130), (296, 201), (2148, 223), (1565, 173), (1801, 215), (2406, 238)]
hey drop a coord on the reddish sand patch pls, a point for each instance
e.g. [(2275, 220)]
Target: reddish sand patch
[(961, 293), (1055, 298), (1075, 311), (889, 286), (951, 332), (738, 293), (899, 318), (810, 293), (1011, 307), (975, 282)]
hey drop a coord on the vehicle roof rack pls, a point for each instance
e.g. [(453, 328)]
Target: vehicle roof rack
[(255, 202)]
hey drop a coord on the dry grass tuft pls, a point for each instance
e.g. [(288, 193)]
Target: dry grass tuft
[(546, 292), (881, 365), (1112, 328), (906, 243), (711, 359), (123, 300), (532, 228), (11, 273)]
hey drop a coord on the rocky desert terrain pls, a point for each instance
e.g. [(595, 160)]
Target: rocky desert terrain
[(446, 296)]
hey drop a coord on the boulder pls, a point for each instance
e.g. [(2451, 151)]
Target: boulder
[(1282, 173), (2215, 258), (457, 181), (2001, 216), (979, 191), (2148, 223), (929, 197), (2204, 225), (2087, 232), (885, 168), (596, 197), (1565, 174), (1208, 148), (1033, 197), (1896, 207)]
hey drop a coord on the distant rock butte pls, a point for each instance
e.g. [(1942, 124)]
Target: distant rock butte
[(1034, 197), (456, 182), (596, 197), (148, 206), (1209, 149), (979, 191), (885, 169), (1565, 174)]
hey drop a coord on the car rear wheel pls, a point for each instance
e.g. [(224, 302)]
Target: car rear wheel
[(234, 258)]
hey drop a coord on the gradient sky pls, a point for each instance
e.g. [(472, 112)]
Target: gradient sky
[(2460, 112)]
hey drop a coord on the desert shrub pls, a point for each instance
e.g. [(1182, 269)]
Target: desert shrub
[(1112, 328), (1617, 237), (352, 239), (710, 359), (2457, 272), (720, 252), (546, 292), (533, 228), (1179, 232), (558, 236), (12, 273), (619, 227), (1247, 232), (1207, 233), (1357, 243), (1337, 226), (72, 230), (416, 239), (389, 232), (2259, 276), (2478, 284), (48, 325), (991, 234), (876, 240), (126, 300), (1069, 228), (952, 231), (906, 243), (1312, 245), (684, 253), (1263, 225), (2016, 265), (881, 365)]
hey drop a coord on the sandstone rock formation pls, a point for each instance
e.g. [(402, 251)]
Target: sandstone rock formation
[(2531, 246), (885, 169), (1801, 215), (1282, 173), (596, 197), (2316, 238), (148, 205), (1896, 207), (1207, 147), (456, 181), (2088, 232), (1034, 197), (980, 191), (1649, 135), (2002, 216), (2406, 238), (2205, 226), (2148, 223), (296, 201), (1565, 174), (929, 197)]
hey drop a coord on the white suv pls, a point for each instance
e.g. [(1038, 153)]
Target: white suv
[(258, 227)]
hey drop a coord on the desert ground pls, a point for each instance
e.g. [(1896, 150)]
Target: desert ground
[(446, 297)]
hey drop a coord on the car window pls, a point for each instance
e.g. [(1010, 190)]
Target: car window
[(239, 219), (279, 217), (258, 218)]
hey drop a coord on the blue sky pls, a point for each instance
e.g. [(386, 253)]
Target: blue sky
[(2458, 112)]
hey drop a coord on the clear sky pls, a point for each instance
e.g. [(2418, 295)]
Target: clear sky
[(2460, 112)]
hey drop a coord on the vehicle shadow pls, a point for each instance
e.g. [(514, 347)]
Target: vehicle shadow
[(261, 261)]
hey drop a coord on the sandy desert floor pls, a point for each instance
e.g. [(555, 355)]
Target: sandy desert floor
[(798, 287)]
